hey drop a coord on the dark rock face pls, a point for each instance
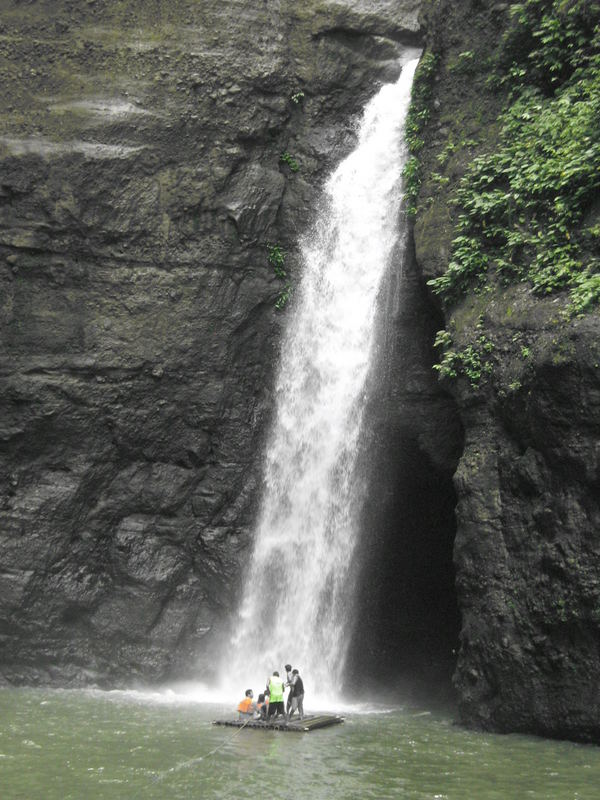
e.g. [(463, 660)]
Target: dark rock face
[(527, 553), (141, 181), (406, 619)]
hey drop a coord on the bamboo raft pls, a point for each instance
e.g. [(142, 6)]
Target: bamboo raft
[(309, 723)]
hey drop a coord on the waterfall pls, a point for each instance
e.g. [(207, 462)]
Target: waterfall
[(297, 598)]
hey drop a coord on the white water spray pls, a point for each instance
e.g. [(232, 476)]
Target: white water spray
[(297, 596)]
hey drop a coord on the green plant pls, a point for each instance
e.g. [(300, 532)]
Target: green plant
[(548, 41), (523, 206), (465, 63), (417, 118), (473, 361), (561, 609), (276, 257), (289, 159), (297, 97), (284, 296), (441, 180), (449, 149)]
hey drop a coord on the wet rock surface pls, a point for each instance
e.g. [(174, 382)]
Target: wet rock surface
[(141, 182), (406, 616), (527, 553)]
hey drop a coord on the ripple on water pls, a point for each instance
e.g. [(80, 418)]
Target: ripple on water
[(379, 756)]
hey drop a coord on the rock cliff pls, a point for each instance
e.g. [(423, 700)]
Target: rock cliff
[(142, 179), (527, 552)]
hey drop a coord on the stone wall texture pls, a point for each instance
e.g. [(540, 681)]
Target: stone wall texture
[(141, 182), (527, 548)]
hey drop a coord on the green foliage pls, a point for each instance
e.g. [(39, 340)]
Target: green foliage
[(276, 257), (524, 207), (418, 115), (548, 40), (444, 156), (473, 361), (284, 296), (289, 159), (297, 97), (441, 180), (585, 291), (465, 64)]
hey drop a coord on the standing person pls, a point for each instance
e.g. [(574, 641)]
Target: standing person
[(297, 695), (288, 682), (275, 695)]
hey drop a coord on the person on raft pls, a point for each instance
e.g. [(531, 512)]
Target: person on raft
[(275, 689), (296, 695), (262, 708), (246, 707), (288, 682)]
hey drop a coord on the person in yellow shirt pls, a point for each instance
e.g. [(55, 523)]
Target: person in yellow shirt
[(276, 696)]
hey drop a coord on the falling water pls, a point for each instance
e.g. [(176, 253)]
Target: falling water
[(297, 596)]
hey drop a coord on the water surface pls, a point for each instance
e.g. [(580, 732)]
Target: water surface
[(63, 745)]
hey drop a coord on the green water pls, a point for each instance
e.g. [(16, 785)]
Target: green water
[(60, 745)]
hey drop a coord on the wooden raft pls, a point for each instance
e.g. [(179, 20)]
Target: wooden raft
[(309, 723)]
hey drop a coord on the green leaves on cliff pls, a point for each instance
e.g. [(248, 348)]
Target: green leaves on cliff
[(418, 115), (288, 158), (473, 361), (276, 258), (548, 40), (528, 210)]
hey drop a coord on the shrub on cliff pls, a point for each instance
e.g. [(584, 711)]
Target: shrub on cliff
[(527, 209)]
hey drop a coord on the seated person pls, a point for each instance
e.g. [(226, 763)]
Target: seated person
[(262, 708), (246, 707)]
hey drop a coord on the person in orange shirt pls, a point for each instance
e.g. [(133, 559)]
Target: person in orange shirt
[(246, 707)]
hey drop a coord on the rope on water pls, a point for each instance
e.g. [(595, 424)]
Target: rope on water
[(159, 776)]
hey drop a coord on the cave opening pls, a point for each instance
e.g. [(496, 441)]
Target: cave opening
[(406, 615), (406, 619)]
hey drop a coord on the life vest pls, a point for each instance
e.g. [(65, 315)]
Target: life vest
[(297, 686), (275, 689), (244, 706)]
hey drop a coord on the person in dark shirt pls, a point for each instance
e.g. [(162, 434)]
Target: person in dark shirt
[(288, 683), (297, 695), (262, 708)]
